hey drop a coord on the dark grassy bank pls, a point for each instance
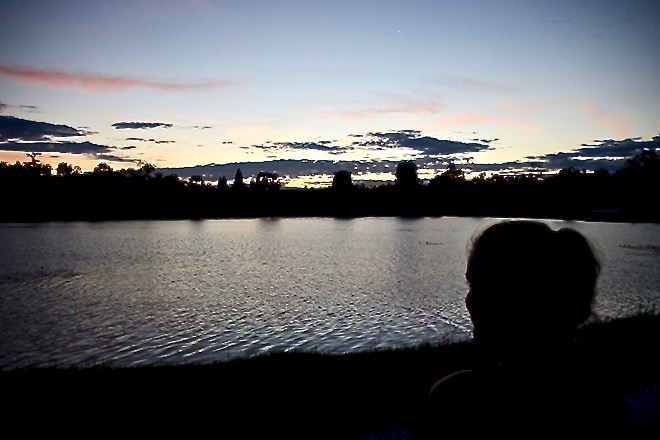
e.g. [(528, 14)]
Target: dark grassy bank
[(287, 395)]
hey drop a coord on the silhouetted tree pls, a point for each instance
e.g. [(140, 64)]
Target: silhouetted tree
[(570, 174), (222, 183), (64, 169), (406, 176), (647, 159), (146, 167), (637, 181), (130, 172), (480, 178), (453, 172), (640, 171), (342, 181), (33, 168), (266, 181), (602, 173), (33, 158), (238, 180), (452, 175), (571, 193), (102, 167)]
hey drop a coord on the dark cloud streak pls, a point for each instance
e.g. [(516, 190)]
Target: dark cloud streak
[(413, 140), (34, 136), (618, 149), (324, 146), (56, 147), (12, 128), (28, 108), (140, 125), (609, 155)]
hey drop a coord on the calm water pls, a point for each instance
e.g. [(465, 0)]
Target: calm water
[(131, 293)]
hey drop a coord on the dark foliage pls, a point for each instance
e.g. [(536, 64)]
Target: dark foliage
[(31, 193)]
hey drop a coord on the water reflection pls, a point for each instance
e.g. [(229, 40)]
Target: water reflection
[(151, 292)]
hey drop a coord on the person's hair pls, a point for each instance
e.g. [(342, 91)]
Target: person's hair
[(523, 271)]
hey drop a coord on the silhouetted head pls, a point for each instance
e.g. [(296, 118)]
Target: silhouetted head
[(529, 283)]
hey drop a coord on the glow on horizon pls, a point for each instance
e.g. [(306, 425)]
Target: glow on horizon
[(236, 82)]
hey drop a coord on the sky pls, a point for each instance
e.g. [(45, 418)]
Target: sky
[(308, 88)]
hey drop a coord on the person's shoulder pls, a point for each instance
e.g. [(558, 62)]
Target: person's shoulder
[(456, 391), (453, 381), (446, 406)]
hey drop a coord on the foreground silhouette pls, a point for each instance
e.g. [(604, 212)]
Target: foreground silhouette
[(289, 395), (530, 289)]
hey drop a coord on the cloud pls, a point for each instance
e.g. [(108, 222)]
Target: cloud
[(324, 146), (401, 141), (392, 139), (12, 128), (471, 119), (140, 125), (28, 108), (99, 152), (96, 83), (34, 136), (412, 139), (618, 149), (113, 158), (473, 85), (56, 147), (486, 141), (606, 120), (609, 154), (137, 139), (389, 104), (591, 157), (437, 147)]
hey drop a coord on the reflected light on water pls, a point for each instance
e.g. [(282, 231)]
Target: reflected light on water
[(133, 293)]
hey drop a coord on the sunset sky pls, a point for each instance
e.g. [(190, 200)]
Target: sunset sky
[(306, 88)]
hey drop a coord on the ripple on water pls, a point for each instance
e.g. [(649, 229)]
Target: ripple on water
[(129, 294)]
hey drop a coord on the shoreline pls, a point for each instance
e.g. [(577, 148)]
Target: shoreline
[(300, 395), (92, 219)]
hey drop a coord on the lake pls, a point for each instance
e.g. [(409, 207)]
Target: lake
[(163, 292)]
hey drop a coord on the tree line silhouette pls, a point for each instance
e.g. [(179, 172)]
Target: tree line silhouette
[(31, 191)]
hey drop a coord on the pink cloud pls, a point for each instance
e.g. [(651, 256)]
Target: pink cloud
[(98, 83), (593, 113), (479, 118), (600, 118), (389, 104)]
